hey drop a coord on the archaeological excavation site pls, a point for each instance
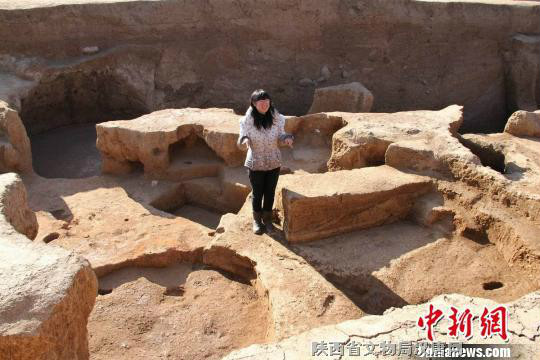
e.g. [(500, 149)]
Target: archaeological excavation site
[(413, 182)]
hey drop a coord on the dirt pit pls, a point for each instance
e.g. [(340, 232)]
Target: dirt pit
[(306, 158), (192, 158), (404, 263), (66, 152), (205, 217), (183, 311)]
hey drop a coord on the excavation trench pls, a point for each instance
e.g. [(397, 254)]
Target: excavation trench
[(488, 154), (60, 114), (404, 263), (175, 311), (202, 200), (432, 251), (150, 308), (391, 268), (64, 145), (80, 97), (66, 152), (175, 285)]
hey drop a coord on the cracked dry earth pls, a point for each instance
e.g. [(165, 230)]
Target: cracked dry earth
[(181, 276)]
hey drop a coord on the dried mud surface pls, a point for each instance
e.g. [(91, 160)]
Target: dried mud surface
[(180, 312)]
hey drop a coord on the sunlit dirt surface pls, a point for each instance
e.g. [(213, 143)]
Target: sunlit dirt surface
[(179, 312)]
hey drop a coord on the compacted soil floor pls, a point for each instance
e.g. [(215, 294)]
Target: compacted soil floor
[(66, 152), (183, 311), (403, 263), (205, 217)]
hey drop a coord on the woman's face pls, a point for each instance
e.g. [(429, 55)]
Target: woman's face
[(262, 105)]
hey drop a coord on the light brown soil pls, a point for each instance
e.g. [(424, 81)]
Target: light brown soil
[(190, 312), (171, 277), (180, 312), (455, 265), (306, 159), (403, 263)]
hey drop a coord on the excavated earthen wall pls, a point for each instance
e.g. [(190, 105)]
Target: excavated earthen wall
[(410, 54)]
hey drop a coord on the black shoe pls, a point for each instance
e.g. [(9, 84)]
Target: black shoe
[(267, 220), (258, 226)]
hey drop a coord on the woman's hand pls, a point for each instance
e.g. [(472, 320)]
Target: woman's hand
[(244, 144)]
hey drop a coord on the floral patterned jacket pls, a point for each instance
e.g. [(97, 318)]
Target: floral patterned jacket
[(262, 149)]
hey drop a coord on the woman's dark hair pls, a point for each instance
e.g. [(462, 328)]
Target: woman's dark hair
[(265, 120)]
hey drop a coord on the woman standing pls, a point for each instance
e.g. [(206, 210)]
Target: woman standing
[(261, 130)]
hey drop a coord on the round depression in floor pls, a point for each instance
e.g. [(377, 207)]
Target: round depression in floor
[(184, 311), (66, 152)]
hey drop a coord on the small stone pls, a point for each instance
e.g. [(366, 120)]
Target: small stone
[(90, 49), (524, 123), (306, 82), (325, 72), (351, 97)]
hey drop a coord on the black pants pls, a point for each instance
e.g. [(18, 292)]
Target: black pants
[(263, 184)]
